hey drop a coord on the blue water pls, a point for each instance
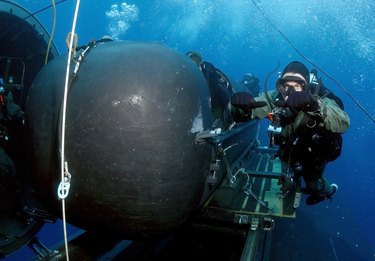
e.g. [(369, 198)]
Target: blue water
[(337, 35)]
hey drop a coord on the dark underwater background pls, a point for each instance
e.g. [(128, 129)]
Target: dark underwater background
[(241, 36)]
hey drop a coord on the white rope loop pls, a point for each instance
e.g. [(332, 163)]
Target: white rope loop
[(63, 190), (64, 186)]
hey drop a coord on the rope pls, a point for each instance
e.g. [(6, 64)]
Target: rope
[(63, 163), (313, 64), (52, 32)]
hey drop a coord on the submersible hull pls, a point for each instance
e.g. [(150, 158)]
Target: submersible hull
[(133, 112)]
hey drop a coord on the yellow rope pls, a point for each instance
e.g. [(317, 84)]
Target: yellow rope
[(52, 32)]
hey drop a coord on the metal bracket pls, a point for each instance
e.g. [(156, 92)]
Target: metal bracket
[(212, 179), (206, 136), (241, 219), (39, 214), (297, 199), (38, 248), (254, 224), (268, 224)]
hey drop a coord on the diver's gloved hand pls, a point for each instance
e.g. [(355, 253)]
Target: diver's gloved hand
[(242, 100), (242, 105), (301, 101)]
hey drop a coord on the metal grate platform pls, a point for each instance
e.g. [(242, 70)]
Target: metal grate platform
[(252, 191)]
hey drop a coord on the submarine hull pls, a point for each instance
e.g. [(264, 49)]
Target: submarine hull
[(133, 111)]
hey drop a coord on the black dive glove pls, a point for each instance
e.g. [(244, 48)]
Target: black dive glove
[(301, 101), (242, 105)]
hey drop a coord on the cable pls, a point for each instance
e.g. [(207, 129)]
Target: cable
[(63, 164), (313, 64), (52, 32)]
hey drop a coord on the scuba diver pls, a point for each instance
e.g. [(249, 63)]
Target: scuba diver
[(307, 128), (219, 86), (251, 84)]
